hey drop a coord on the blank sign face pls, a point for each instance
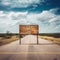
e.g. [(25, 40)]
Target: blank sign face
[(28, 29)]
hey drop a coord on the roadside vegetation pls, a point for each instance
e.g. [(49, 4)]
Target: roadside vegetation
[(54, 37), (8, 38)]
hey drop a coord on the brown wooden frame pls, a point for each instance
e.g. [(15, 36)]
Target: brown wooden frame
[(28, 34)]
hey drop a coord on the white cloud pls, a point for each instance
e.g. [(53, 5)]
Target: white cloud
[(19, 3), (55, 19), (54, 10), (47, 15), (46, 20)]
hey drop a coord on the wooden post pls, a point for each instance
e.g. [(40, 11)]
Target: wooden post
[(20, 38), (37, 34), (19, 35)]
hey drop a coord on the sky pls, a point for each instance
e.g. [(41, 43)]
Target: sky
[(45, 13)]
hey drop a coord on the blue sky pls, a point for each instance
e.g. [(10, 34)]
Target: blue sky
[(45, 13)]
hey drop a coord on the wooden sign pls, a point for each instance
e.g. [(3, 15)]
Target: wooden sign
[(28, 29)]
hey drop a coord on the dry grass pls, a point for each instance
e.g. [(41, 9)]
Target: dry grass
[(9, 40), (53, 39)]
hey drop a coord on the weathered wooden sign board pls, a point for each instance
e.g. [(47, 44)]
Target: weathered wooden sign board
[(27, 30)]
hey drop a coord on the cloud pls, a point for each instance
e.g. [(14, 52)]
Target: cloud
[(19, 3), (55, 19), (47, 21), (55, 10)]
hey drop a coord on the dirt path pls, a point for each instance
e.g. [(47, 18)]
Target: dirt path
[(14, 51)]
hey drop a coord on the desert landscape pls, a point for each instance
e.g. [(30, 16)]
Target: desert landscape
[(54, 37), (8, 38), (46, 49)]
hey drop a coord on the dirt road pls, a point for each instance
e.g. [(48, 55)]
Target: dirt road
[(43, 51)]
